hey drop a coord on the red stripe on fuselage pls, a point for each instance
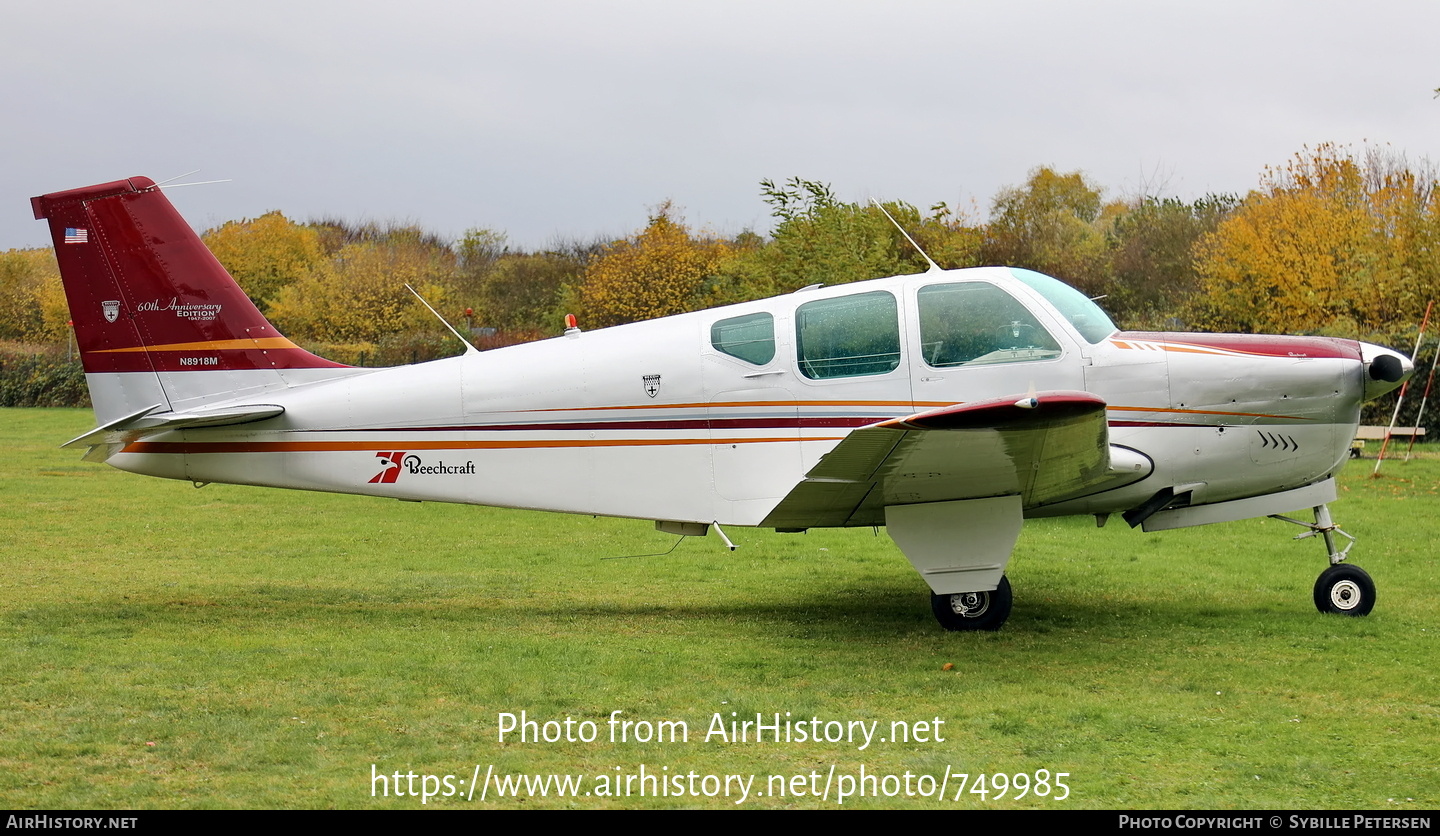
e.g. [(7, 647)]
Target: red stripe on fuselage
[(200, 447), (1258, 345)]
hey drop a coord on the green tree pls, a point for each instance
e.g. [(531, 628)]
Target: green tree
[(519, 293), (478, 251), (820, 240), (526, 291), (1152, 260), (1053, 224)]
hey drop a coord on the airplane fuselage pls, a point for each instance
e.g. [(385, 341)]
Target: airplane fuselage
[(653, 420)]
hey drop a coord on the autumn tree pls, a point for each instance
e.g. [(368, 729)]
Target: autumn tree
[(32, 300), (657, 272), (1331, 241), (266, 254), (358, 301)]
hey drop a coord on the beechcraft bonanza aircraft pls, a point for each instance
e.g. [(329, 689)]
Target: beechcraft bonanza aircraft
[(947, 406)]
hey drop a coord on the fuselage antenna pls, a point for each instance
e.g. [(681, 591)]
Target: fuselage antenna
[(469, 346), (934, 268)]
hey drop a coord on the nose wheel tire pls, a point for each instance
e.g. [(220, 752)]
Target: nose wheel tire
[(974, 610), (1346, 590)]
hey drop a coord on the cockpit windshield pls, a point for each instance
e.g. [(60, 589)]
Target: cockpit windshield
[(1087, 317), (977, 323)]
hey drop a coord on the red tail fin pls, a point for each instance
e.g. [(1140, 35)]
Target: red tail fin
[(145, 293), (159, 322)]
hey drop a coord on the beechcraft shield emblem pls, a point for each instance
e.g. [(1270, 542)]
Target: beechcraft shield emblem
[(111, 310), (652, 384)]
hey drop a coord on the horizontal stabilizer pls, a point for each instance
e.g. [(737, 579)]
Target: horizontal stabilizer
[(148, 422)]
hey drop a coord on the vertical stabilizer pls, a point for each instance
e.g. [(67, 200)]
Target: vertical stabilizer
[(158, 320)]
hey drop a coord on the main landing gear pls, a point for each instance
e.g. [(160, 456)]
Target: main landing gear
[(974, 610), (1343, 589)]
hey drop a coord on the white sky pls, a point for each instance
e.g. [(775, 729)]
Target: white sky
[(558, 117)]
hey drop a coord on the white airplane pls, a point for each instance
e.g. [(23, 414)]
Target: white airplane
[(947, 406)]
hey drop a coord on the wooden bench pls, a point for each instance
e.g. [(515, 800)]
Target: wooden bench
[(1365, 433)]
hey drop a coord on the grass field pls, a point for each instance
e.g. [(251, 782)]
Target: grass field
[(170, 647)]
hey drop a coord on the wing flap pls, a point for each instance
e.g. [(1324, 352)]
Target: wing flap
[(857, 461), (1042, 447)]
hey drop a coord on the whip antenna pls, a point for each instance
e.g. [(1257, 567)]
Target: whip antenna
[(934, 268), (469, 346)]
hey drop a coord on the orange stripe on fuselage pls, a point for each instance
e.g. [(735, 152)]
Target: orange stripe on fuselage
[(211, 345), (904, 404), (1206, 412)]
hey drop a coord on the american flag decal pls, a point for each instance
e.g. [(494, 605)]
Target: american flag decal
[(77, 236)]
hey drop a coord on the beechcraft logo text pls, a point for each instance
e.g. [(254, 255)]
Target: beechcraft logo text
[(393, 462)]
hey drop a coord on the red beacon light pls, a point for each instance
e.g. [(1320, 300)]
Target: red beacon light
[(572, 329)]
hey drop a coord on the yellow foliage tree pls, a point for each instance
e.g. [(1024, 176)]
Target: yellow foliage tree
[(1328, 243), (659, 272), (359, 299), (32, 300), (266, 254)]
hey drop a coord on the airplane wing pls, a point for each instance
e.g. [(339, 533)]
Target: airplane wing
[(1042, 447)]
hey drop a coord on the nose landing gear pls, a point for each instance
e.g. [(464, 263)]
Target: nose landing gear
[(1343, 589), (1346, 590)]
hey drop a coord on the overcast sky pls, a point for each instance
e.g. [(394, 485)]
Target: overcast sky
[(553, 118)]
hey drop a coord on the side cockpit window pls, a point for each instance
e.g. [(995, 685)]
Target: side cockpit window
[(848, 336), (750, 337), (977, 323)]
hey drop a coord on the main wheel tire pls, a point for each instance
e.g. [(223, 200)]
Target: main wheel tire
[(1346, 590), (974, 610)]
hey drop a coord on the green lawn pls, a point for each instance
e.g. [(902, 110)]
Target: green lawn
[(237, 647)]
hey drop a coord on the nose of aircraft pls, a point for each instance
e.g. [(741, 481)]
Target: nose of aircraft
[(1384, 369)]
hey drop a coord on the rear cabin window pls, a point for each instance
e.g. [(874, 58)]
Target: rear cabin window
[(848, 336), (977, 323), (750, 337)]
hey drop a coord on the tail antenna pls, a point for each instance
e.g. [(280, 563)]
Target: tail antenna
[(469, 346), (177, 177), (164, 184), (934, 268)]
